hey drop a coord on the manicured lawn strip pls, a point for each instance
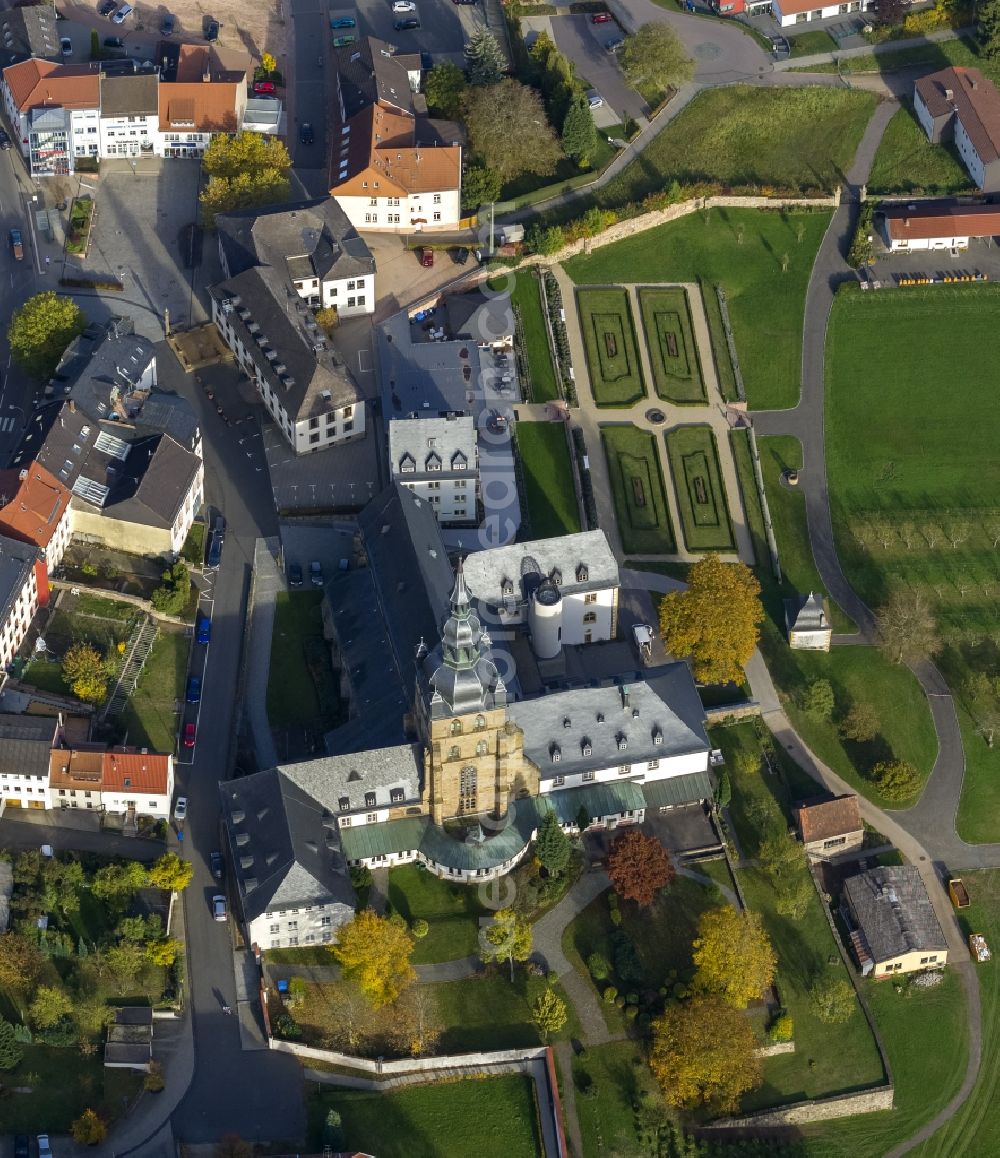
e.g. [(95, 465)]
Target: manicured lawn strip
[(150, 716), (631, 454), (906, 162), (548, 479), (611, 346), (793, 139), (292, 696), (101, 608), (303, 955), (707, 247), (739, 440), (700, 491), (487, 1012), (791, 531), (622, 1080), (46, 675), (889, 359), (978, 820), (673, 570), (673, 352), (495, 1118), (720, 348), (451, 910), (811, 43), (526, 296), (961, 52)]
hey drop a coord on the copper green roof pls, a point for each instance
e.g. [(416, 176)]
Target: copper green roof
[(677, 790)]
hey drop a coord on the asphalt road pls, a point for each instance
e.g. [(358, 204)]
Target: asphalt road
[(585, 44)]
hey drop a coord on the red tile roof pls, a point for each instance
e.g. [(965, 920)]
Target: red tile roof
[(33, 505), (36, 83), (201, 107), (829, 818), (922, 222), (144, 771)]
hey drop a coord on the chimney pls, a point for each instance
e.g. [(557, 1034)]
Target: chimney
[(206, 76), (949, 95), (72, 406)]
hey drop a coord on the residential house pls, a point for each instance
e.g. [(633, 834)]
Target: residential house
[(34, 508), (22, 571), (129, 121), (927, 225), (26, 744), (311, 244), (831, 826), (789, 13), (389, 170), (742, 7), (892, 923), (961, 105), (438, 459), (129, 1045), (137, 782), (208, 96), (54, 110), (29, 32), (807, 622), (75, 778)]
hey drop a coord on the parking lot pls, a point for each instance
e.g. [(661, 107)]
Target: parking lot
[(444, 26)]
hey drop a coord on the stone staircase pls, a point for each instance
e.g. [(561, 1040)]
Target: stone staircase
[(139, 644)]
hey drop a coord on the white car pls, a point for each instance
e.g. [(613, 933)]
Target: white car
[(403, 6), (181, 808), (44, 1149), (595, 100)]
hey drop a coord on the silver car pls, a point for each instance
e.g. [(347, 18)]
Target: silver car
[(219, 910)]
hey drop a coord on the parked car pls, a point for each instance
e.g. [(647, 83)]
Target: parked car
[(190, 734), (426, 257), (203, 631), (22, 1146), (106, 7), (594, 99), (44, 1149), (218, 865), (16, 245), (167, 24), (193, 690), (614, 45), (294, 574), (460, 256), (65, 46), (113, 42), (406, 25), (219, 910), (212, 31), (350, 22), (215, 546), (5, 141), (341, 41), (403, 6), (315, 573), (264, 86), (181, 808), (122, 14), (306, 135), (600, 18)]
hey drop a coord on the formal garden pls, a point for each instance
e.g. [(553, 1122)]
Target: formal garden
[(87, 934), (637, 489), (547, 473), (701, 493), (761, 258), (611, 347), (673, 352)]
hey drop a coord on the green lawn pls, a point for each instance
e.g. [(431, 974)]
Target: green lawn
[(673, 352), (451, 910), (811, 43), (935, 56), (742, 250), (637, 488), (791, 139), (88, 604), (720, 347), (621, 1079), (301, 690), (150, 716), (488, 1012), (302, 955), (490, 1118), (978, 819), (910, 440), (526, 297), (548, 479), (46, 675), (611, 347), (701, 493), (906, 162), (194, 545)]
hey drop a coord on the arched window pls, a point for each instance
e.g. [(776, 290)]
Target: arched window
[(456, 727), (482, 748), (480, 723)]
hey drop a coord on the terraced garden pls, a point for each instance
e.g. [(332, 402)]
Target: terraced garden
[(611, 346)]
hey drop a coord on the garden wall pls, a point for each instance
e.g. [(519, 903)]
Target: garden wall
[(820, 1110), (410, 1065)]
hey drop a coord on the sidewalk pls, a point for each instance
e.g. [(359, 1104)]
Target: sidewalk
[(887, 48)]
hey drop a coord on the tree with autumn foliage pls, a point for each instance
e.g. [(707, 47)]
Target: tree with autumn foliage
[(88, 1129), (704, 1055), (374, 952), (715, 622), (733, 956), (639, 866), (506, 938)]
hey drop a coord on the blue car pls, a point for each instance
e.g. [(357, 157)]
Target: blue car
[(194, 690), (203, 632), (343, 22)]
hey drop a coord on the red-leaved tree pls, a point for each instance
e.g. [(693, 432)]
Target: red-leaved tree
[(639, 867)]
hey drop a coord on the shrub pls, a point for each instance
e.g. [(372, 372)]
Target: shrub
[(361, 876), (620, 1001), (610, 995), (287, 1027), (833, 1001), (297, 992), (631, 1012), (895, 779), (598, 966), (818, 700), (782, 1028), (420, 928)]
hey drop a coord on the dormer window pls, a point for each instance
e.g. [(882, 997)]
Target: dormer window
[(585, 747), (582, 573), (507, 587), (344, 804), (407, 464), (369, 800), (396, 796), (657, 736), (567, 722), (433, 462), (459, 461), (556, 753), (622, 741), (556, 576)]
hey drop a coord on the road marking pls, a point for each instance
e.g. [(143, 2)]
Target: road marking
[(362, 369), (6, 424)]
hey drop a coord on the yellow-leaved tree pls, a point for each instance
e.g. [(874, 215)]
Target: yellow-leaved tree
[(374, 952), (733, 956), (703, 1054), (714, 623), (244, 171)]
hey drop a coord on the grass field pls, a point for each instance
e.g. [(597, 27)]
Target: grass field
[(720, 348), (673, 352), (700, 490), (548, 479), (934, 56), (150, 716), (742, 250), (452, 912), (978, 819), (488, 1012), (792, 139), (811, 43), (910, 438), (618, 1072), (612, 349), (906, 162), (293, 696), (526, 296), (494, 1118), (637, 488)]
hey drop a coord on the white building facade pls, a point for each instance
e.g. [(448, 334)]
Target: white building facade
[(438, 460)]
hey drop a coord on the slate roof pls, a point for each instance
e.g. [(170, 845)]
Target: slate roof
[(370, 72), (808, 614), (17, 726), (974, 100), (161, 483), (598, 718), (29, 32), (25, 757), (130, 96), (479, 317), (333, 780), (894, 912), (584, 561), (420, 443), (283, 853), (16, 562), (825, 819)]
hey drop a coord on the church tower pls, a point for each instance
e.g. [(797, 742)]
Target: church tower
[(473, 756)]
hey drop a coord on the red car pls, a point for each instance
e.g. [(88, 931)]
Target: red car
[(427, 258), (599, 18), (189, 733), (263, 86)]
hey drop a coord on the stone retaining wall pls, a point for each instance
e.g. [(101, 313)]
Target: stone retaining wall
[(820, 1110), (740, 711), (775, 1048), (409, 1065)]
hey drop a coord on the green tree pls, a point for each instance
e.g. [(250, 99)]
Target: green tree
[(484, 58), (61, 882), (244, 171), (780, 855), (733, 956), (268, 63), (118, 882), (714, 623), (833, 999), (506, 938), (819, 700), (444, 87), (163, 952), (654, 55), (87, 672), (125, 962), (579, 133), (171, 872), (49, 1007), (333, 1132), (861, 723), (419, 928), (480, 186), (508, 130), (10, 1048), (374, 952), (895, 779), (88, 1129), (548, 1013), (552, 845), (544, 239), (21, 963), (172, 596), (989, 29), (41, 330)]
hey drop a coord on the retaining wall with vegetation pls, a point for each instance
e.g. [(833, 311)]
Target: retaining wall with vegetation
[(820, 1110)]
